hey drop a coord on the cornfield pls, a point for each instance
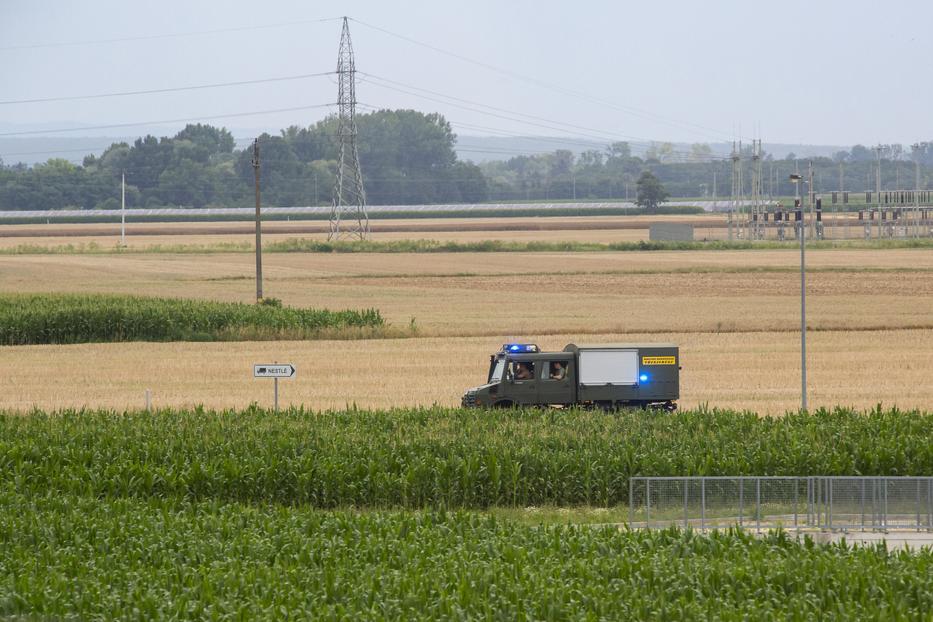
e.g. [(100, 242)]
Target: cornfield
[(78, 557), (421, 458), (67, 318), (217, 515)]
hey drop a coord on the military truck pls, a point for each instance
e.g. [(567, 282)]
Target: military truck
[(595, 376)]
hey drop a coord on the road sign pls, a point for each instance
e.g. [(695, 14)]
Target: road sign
[(273, 370)]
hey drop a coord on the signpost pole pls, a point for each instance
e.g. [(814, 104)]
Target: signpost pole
[(274, 371)]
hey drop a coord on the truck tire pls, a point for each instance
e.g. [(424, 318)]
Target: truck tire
[(504, 404)]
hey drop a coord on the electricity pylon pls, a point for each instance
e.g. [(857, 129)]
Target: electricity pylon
[(348, 218)]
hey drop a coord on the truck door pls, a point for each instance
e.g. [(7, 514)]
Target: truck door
[(557, 380), (523, 388)]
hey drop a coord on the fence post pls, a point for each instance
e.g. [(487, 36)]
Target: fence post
[(884, 516), (648, 503), (686, 520), (862, 504), (796, 496), (918, 505), (631, 501), (817, 501), (758, 504), (930, 503), (829, 506), (809, 502), (741, 500), (703, 503)]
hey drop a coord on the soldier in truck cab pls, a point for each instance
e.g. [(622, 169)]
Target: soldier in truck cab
[(558, 370), (523, 371)]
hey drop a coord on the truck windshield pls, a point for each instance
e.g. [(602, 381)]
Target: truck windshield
[(497, 372)]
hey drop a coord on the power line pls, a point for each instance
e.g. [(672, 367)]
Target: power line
[(549, 123), (185, 120), (196, 33), (553, 87), (166, 90), (540, 139), (485, 112)]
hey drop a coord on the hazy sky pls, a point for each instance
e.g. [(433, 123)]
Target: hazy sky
[(836, 72)]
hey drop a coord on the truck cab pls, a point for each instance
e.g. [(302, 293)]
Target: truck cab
[(604, 376)]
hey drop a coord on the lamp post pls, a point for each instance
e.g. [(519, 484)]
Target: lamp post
[(801, 228)]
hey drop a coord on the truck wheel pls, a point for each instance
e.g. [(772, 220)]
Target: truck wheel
[(503, 404)]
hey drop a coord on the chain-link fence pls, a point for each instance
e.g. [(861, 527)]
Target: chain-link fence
[(844, 503)]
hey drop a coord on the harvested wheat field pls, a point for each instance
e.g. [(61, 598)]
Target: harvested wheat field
[(603, 229), (734, 313), (755, 371), (465, 294)]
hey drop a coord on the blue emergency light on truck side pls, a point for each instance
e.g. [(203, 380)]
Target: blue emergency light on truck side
[(604, 376)]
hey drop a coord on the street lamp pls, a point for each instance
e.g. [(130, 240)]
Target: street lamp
[(796, 180)]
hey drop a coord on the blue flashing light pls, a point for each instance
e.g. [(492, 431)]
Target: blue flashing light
[(643, 378), (520, 347)]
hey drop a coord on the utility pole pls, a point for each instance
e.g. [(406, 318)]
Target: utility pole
[(123, 209), (796, 179), (803, 319), (714, 184), (878, 175), (736, 185), (258, 223), (916, 218), (810, 194)]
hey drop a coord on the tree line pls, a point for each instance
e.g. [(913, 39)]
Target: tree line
[(408, 158)]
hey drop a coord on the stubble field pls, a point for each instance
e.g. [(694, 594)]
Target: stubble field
[(604, 229), (735, 315)]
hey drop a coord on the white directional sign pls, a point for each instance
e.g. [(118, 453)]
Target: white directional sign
[(273, 370)]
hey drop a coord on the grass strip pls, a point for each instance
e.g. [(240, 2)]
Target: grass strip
[(309, 245)]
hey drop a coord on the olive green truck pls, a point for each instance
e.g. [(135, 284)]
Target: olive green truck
[(595, 376)]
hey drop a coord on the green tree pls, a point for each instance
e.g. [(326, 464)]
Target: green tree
[(650, 192)]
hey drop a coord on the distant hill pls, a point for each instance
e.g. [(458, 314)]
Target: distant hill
[(486, 148), (34, 149)]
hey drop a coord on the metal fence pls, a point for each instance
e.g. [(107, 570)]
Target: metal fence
[(791, 503)]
